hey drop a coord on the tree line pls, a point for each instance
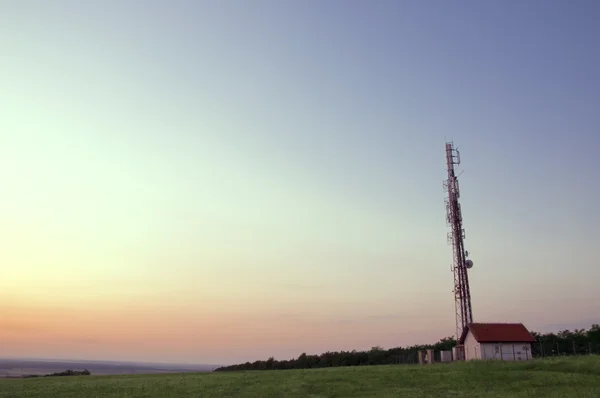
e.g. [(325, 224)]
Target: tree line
[(68, 372), (565, 342)]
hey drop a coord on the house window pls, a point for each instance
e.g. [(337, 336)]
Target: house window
[(497, 349)]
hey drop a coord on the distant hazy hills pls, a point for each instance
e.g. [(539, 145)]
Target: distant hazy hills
[(19, 366)]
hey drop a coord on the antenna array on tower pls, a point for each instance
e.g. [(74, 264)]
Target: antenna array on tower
[(456, 236)]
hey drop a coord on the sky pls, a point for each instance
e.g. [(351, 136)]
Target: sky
[(224, 181)]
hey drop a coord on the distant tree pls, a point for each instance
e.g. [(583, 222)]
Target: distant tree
[(377, 355), (593, 334), (269, 363), (70, 372)]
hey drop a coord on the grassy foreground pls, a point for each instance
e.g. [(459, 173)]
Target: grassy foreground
[(559, 377)]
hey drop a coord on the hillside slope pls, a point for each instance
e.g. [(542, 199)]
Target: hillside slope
[(558, 377)]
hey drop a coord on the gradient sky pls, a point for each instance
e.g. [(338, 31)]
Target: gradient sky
[(222, 181)]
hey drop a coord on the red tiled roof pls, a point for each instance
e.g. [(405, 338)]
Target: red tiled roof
[(498, 333)]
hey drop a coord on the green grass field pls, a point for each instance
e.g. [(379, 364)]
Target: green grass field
[(559, 377)]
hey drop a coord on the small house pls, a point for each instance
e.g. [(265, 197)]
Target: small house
[(503, 341)]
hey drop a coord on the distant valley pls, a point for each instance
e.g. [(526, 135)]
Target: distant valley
[(15, 367)]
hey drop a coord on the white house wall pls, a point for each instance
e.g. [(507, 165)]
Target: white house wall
[(472, 347), (506, 351), (489, 351), (501, 351)]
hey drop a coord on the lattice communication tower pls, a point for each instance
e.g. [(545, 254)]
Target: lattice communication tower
[(460, 265)]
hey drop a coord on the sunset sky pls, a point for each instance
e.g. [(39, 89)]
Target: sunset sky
[(223, 181)]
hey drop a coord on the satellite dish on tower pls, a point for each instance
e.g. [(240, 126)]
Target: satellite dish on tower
[(469, 264)]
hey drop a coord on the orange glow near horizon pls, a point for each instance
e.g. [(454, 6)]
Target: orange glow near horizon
[(216, 334), (148, 331)]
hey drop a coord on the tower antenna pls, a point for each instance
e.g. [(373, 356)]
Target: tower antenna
[(456, 236)]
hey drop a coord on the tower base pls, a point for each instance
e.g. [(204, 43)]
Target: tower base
[(458, 353)]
